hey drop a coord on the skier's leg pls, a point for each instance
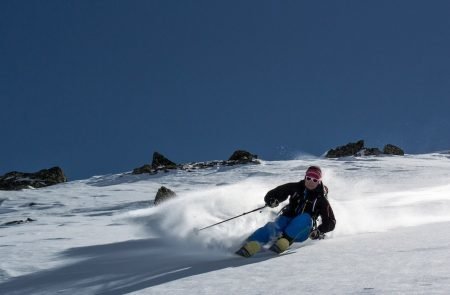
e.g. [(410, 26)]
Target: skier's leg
[(262, 236), (269, 231), (299, 228)]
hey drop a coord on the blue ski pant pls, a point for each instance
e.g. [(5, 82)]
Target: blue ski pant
[(297, 227)]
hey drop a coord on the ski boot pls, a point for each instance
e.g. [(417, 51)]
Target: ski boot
[(249, 249), (282, 244)]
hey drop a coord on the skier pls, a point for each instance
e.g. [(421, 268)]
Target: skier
[(295, 222)]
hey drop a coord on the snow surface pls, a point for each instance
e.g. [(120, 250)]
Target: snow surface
[(103, 235)]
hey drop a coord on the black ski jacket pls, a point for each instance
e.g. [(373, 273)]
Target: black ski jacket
[(303, 200)]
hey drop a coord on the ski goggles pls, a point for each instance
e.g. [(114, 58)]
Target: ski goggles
[(311, 179)]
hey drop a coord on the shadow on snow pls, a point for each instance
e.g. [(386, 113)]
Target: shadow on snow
[(124, 267)]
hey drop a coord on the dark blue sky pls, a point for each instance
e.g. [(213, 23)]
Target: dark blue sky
[(96, 86)]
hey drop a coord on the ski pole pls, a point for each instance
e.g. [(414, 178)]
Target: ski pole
[(197, 230)]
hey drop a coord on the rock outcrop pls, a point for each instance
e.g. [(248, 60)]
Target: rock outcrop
[(369, 152), (358, 149), (163, 195), (391, 149), (20, 180), (242, 157), (347, 150), (144, 169), (161, 163)]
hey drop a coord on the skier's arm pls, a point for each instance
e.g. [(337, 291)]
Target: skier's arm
[(327, 216), (281, 193)]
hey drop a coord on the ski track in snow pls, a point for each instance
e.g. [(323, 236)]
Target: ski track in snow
[(103, 235)]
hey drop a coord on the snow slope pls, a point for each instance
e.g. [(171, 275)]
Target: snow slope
[(103, 235)]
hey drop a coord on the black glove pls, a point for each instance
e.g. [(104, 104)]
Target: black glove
[(272, 202), (316, 235)]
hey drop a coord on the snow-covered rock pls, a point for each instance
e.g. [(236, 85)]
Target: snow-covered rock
[(20, 180)]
